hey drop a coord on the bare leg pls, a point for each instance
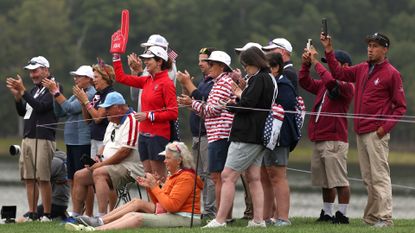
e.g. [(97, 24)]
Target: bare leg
[(278, 177), (218, 186), (147, 166), (30, 186), (82, 180), (46, 195), (130, 220), (227, 193), (89, 202), (112, 199), (329, 195), (257, 193), (343, 194), (102, 183), (135, 205), (269, 196)]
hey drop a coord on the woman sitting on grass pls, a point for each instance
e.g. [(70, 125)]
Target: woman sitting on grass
[(170, 206)]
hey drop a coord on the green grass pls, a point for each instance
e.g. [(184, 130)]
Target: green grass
[(300, 225)]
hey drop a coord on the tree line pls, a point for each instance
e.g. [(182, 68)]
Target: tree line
[(74, 32)]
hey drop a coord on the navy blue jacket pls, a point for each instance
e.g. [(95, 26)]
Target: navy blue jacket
[(202, 92), (287, 97)]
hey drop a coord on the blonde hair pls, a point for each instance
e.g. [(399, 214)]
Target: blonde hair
[(179, 149), (106, 71)]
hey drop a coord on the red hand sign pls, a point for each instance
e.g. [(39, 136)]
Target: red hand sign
[(120, 38)]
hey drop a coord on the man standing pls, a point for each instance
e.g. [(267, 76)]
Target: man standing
[(283, 46), (379, 103), (120, 161), (201, 93), (36, 107), (329, 134)]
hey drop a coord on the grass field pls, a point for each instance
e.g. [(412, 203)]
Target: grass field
[(300, 225)]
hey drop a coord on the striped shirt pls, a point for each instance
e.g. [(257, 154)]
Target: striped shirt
[(122, 135), (218, 120)]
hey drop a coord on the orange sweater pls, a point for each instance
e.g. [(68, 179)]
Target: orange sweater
[(177, 193)]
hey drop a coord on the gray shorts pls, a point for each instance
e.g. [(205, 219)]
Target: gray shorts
[(242, 155), (277, 157)]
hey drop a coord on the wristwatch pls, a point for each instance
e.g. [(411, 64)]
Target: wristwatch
[(56, 94)]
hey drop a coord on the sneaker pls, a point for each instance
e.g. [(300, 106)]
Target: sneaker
[(214, 224), (270, 221), (71, 219), (381, 224), (324, 217), (89, 221), (230, 220), (208, 216), (75, 227), (45, 219), (252, 223), (282, 223), (339, 218)]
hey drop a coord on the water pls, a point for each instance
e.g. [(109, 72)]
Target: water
[(305, 200)]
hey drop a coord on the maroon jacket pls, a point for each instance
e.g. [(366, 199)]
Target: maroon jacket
[(336, 100), (378, 95)]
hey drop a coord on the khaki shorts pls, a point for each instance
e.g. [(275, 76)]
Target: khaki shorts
[(124, 173), (167, 220), (45, 151), (329, 164)]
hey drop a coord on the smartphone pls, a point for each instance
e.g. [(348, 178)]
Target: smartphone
[(324, 27), (86, 160), (309, 43)]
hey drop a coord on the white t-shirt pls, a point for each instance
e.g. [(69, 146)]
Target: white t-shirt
[(122, 135)]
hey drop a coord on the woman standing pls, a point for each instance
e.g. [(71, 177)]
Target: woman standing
[(159, 106)]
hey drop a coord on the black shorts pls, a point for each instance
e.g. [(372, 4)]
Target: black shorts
[(217, 153), (73, 159), (149, 147)]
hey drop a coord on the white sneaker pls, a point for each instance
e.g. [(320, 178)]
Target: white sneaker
[(381, 224), (45, 219), (74, 227), (252, 223), (214, 224)]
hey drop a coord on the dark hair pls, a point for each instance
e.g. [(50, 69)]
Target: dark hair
[(165, 65), (254, 57), (274, 60), (207, 50)]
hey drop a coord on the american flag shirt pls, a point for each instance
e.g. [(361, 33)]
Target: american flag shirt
[(218, 120)]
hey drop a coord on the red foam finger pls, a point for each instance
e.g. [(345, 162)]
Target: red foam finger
[(125, 23)]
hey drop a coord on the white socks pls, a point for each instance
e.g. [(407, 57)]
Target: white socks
[(343, 208), (328, 208)]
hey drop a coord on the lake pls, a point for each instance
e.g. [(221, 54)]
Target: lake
[(305, 199)]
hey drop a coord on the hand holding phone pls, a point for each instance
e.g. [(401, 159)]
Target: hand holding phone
[(324, 27), (309, 43)]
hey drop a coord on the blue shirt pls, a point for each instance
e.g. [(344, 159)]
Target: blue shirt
[(76, 131)]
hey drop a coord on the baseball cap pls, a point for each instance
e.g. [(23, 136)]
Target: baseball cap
[(112, 98), (379, 38), (220, 56), (156, 39), (83, 71), (155, 51), (37, 62), (247, 46), (341, 56), (281, 43)]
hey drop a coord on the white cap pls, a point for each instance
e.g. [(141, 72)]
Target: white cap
[(83, 71), (156, 39), (281, 43), (155, 51), (248, 45), (37, 62), (220, 56)]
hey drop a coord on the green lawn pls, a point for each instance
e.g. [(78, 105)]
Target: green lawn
[(300, 225)]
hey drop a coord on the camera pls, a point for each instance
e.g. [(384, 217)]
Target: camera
[(14, 150), (86, 160)]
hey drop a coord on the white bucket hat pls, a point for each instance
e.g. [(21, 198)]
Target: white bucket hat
[(155, 51), (157, 40), (37, 62), (220, 56), (83, 71)]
